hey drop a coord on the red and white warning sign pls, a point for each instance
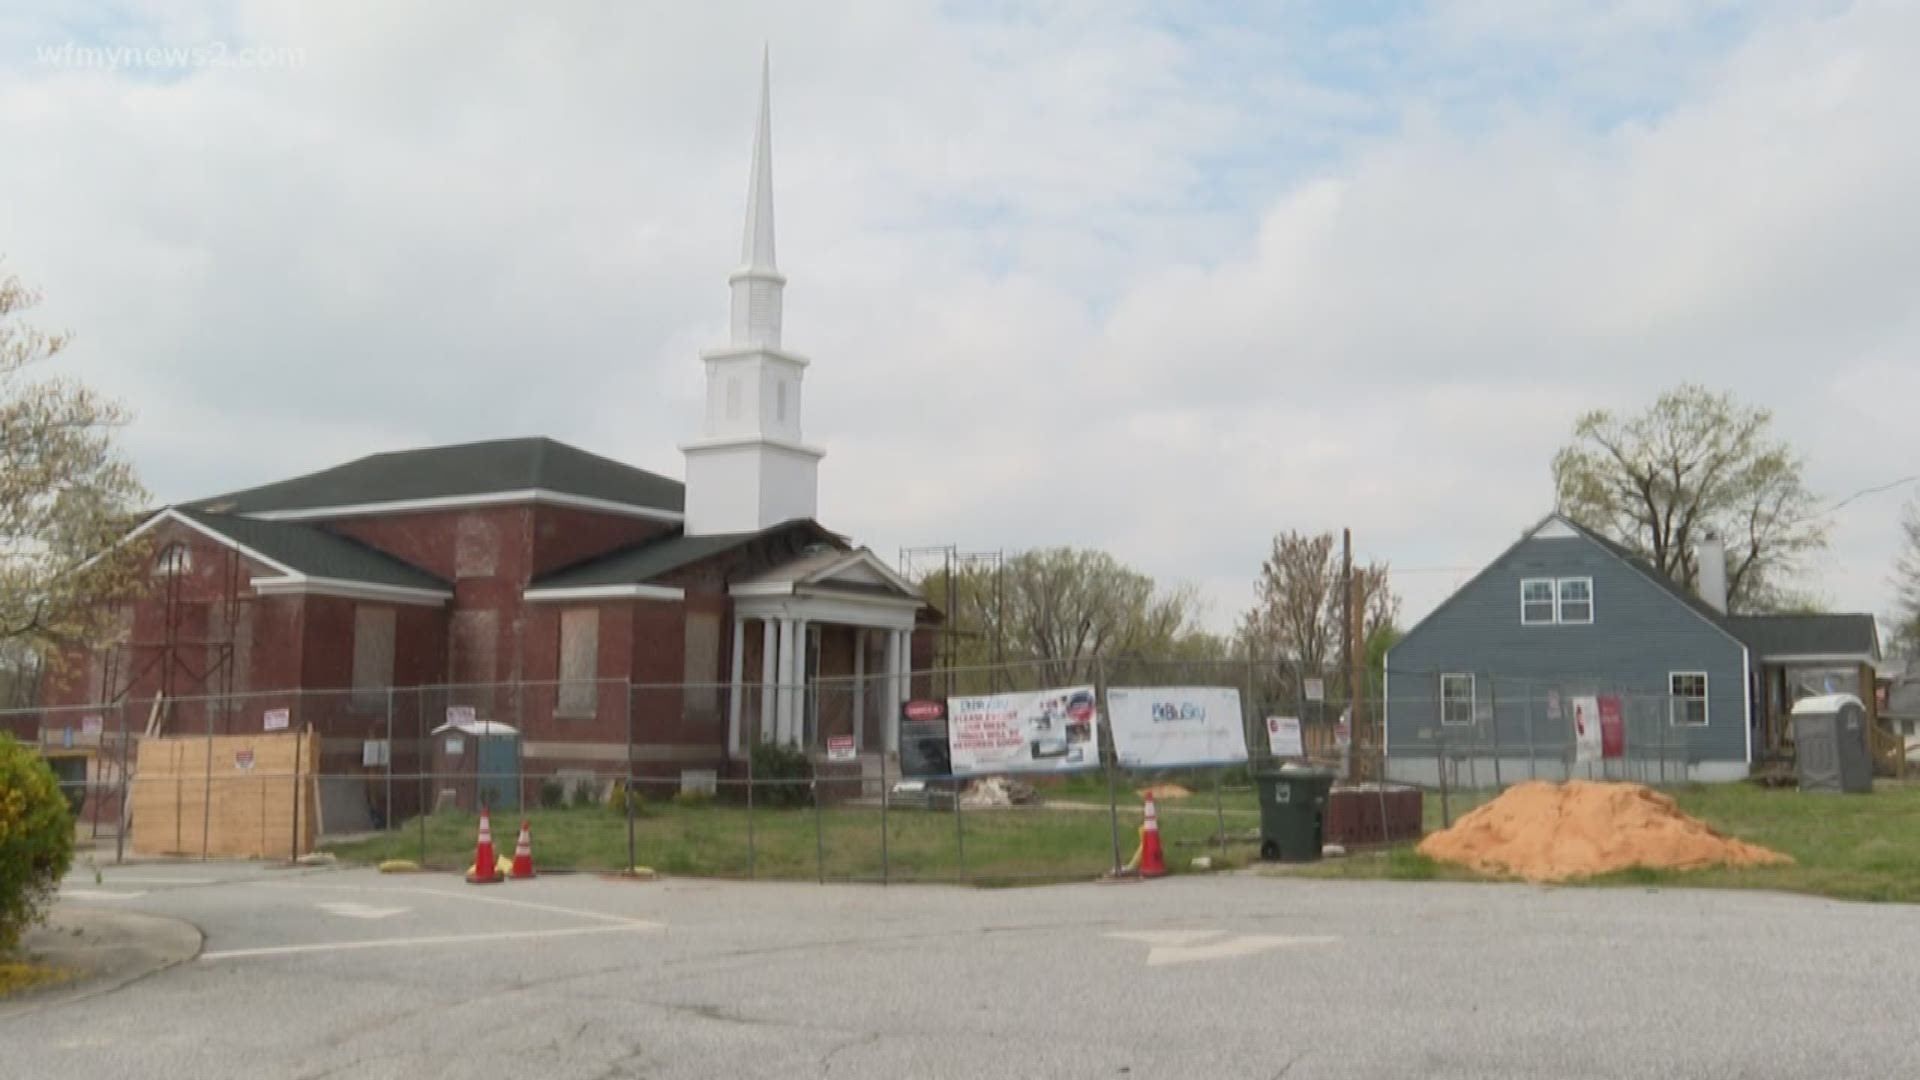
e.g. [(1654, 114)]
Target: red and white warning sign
[(840, 748), (243, 759)]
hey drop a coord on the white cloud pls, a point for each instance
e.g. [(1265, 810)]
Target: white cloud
[(1080, 277)]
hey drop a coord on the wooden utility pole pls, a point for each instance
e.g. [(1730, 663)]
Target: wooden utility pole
[(1359, 740)]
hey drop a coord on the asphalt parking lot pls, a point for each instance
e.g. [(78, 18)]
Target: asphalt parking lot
[(347, 973)]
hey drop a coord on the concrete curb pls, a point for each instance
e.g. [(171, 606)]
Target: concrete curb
[(111, 949)]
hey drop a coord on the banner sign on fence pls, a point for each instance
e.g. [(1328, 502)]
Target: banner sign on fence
[(1283, 737), (1316, 690), (276, 719), (1176, 725), (1047, 731), (1613, 730), (1586, 728), (923, 739), (841, 748)]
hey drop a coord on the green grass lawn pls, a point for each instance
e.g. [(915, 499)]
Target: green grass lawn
[(1850, 847), (838, 844)]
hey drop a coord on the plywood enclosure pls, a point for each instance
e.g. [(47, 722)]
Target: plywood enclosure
[(244, 806)]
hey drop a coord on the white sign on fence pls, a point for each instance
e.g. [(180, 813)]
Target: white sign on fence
[(1048, 731), (1176, 725), (92, 725), (460, 716), (841, 748), (375, 753), (276, 719), (1316, 690), (1586, 728), (1283, 737)]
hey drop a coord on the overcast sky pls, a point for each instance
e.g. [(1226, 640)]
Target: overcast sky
[(1069, 273)]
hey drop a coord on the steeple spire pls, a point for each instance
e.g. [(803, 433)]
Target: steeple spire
[(757, 283), (756, 246)]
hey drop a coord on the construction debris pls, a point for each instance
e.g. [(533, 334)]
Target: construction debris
[(1165, 791), (992, 791), (1554, 832)]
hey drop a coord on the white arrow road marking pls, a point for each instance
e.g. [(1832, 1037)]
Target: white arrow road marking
[(1187, 946), (98, 894), (351, 910)]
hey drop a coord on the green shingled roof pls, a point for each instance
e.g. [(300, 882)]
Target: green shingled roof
[(1771, 636), (438, 472), (315, 552), (649, 559)]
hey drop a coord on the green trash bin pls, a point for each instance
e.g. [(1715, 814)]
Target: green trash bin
[(1293, 805)]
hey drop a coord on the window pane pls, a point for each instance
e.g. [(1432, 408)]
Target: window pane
[(1536, 600), (579, 662), (372, 655), (1456, 699), (1576, 600)]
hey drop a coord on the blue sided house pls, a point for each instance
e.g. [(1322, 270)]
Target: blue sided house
[(1490, 682)]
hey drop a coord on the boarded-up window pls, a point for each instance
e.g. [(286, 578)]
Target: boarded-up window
[(703, 661), (579, 662), (372, 655), (475, 643)]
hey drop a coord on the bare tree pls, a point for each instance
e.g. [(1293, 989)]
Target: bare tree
[(66, 496), (1696, 462), (1299, 609), (1906, 583)]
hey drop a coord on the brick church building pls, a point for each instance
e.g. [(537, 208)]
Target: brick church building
[(534, 583)]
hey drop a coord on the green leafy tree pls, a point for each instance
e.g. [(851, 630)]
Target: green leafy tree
[(1696, 463), (67, 495), (36, 840)]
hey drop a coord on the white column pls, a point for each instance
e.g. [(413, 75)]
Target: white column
[(894, 696), (783, 712), (860, 689), (797, 724), (769, 647), (735, 689)]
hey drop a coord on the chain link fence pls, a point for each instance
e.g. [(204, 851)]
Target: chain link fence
[(765, 780)]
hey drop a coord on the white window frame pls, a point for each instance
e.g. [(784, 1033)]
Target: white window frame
[(1675, 699), (1553, 596), (1558, 617), (1473, 698)]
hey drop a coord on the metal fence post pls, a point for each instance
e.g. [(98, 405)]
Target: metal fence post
[(1531, 773), (126, 790), (206, 807), (1219, 809), (1440, 743), (388, 813), (1493, 704), (1113, 780), (819, 835), (633, 857), (886, 868), (959, 834), (421, 752)]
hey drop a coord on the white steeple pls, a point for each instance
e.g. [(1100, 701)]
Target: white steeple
[(757, 283), (749, 469)]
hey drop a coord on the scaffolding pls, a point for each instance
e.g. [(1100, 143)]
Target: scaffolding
[(193, 654), (921, 564)]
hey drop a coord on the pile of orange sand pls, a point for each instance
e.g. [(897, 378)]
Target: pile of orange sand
[(1553, 832)]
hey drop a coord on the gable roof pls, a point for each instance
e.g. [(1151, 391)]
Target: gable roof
[(1768, 637), (647, 560), (1836, 637), (859, 570), (308, 558), (503, 469)]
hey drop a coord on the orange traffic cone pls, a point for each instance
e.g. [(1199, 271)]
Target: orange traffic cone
[(522, 854), (484, 870), (1152, 864)]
